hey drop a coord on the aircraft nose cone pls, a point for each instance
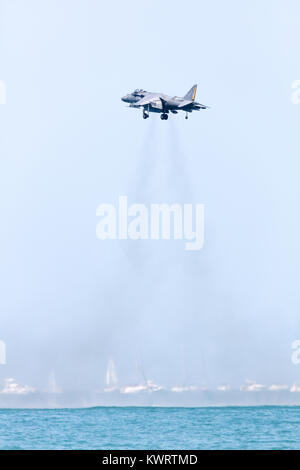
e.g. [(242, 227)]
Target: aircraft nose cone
[(125, 98)]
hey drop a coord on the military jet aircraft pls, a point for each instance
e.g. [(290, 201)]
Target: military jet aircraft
[(160, 103)]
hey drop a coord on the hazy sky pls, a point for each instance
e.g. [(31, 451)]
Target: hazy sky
[(69, 301)]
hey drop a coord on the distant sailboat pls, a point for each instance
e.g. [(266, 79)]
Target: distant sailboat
[(145, 385), (111, 380), (52, 384), (149, 386), (185, 386)]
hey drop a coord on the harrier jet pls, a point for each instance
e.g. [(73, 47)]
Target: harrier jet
[(160, 103)]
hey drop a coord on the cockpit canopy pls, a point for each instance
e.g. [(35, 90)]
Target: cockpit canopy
[(138, 92)]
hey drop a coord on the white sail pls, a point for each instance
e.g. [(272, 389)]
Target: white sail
[(52, 384), (111, 379)]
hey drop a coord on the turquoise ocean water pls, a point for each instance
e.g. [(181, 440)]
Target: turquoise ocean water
[(151, 428)]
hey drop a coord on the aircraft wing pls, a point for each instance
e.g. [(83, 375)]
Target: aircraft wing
[(144, 101)]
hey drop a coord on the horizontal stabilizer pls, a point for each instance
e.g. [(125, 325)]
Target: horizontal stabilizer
[(200, 106), (185, 103)]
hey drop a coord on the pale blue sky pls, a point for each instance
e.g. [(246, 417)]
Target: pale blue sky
[(67, 143)]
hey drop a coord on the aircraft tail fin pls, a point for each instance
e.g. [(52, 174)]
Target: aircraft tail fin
[(191, 94)]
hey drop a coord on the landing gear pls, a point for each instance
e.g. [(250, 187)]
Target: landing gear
[(146, 112), (186, 115), (164, 116)]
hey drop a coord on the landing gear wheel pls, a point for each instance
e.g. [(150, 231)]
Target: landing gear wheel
[(186, 116), (164, 116), (145, 115)]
